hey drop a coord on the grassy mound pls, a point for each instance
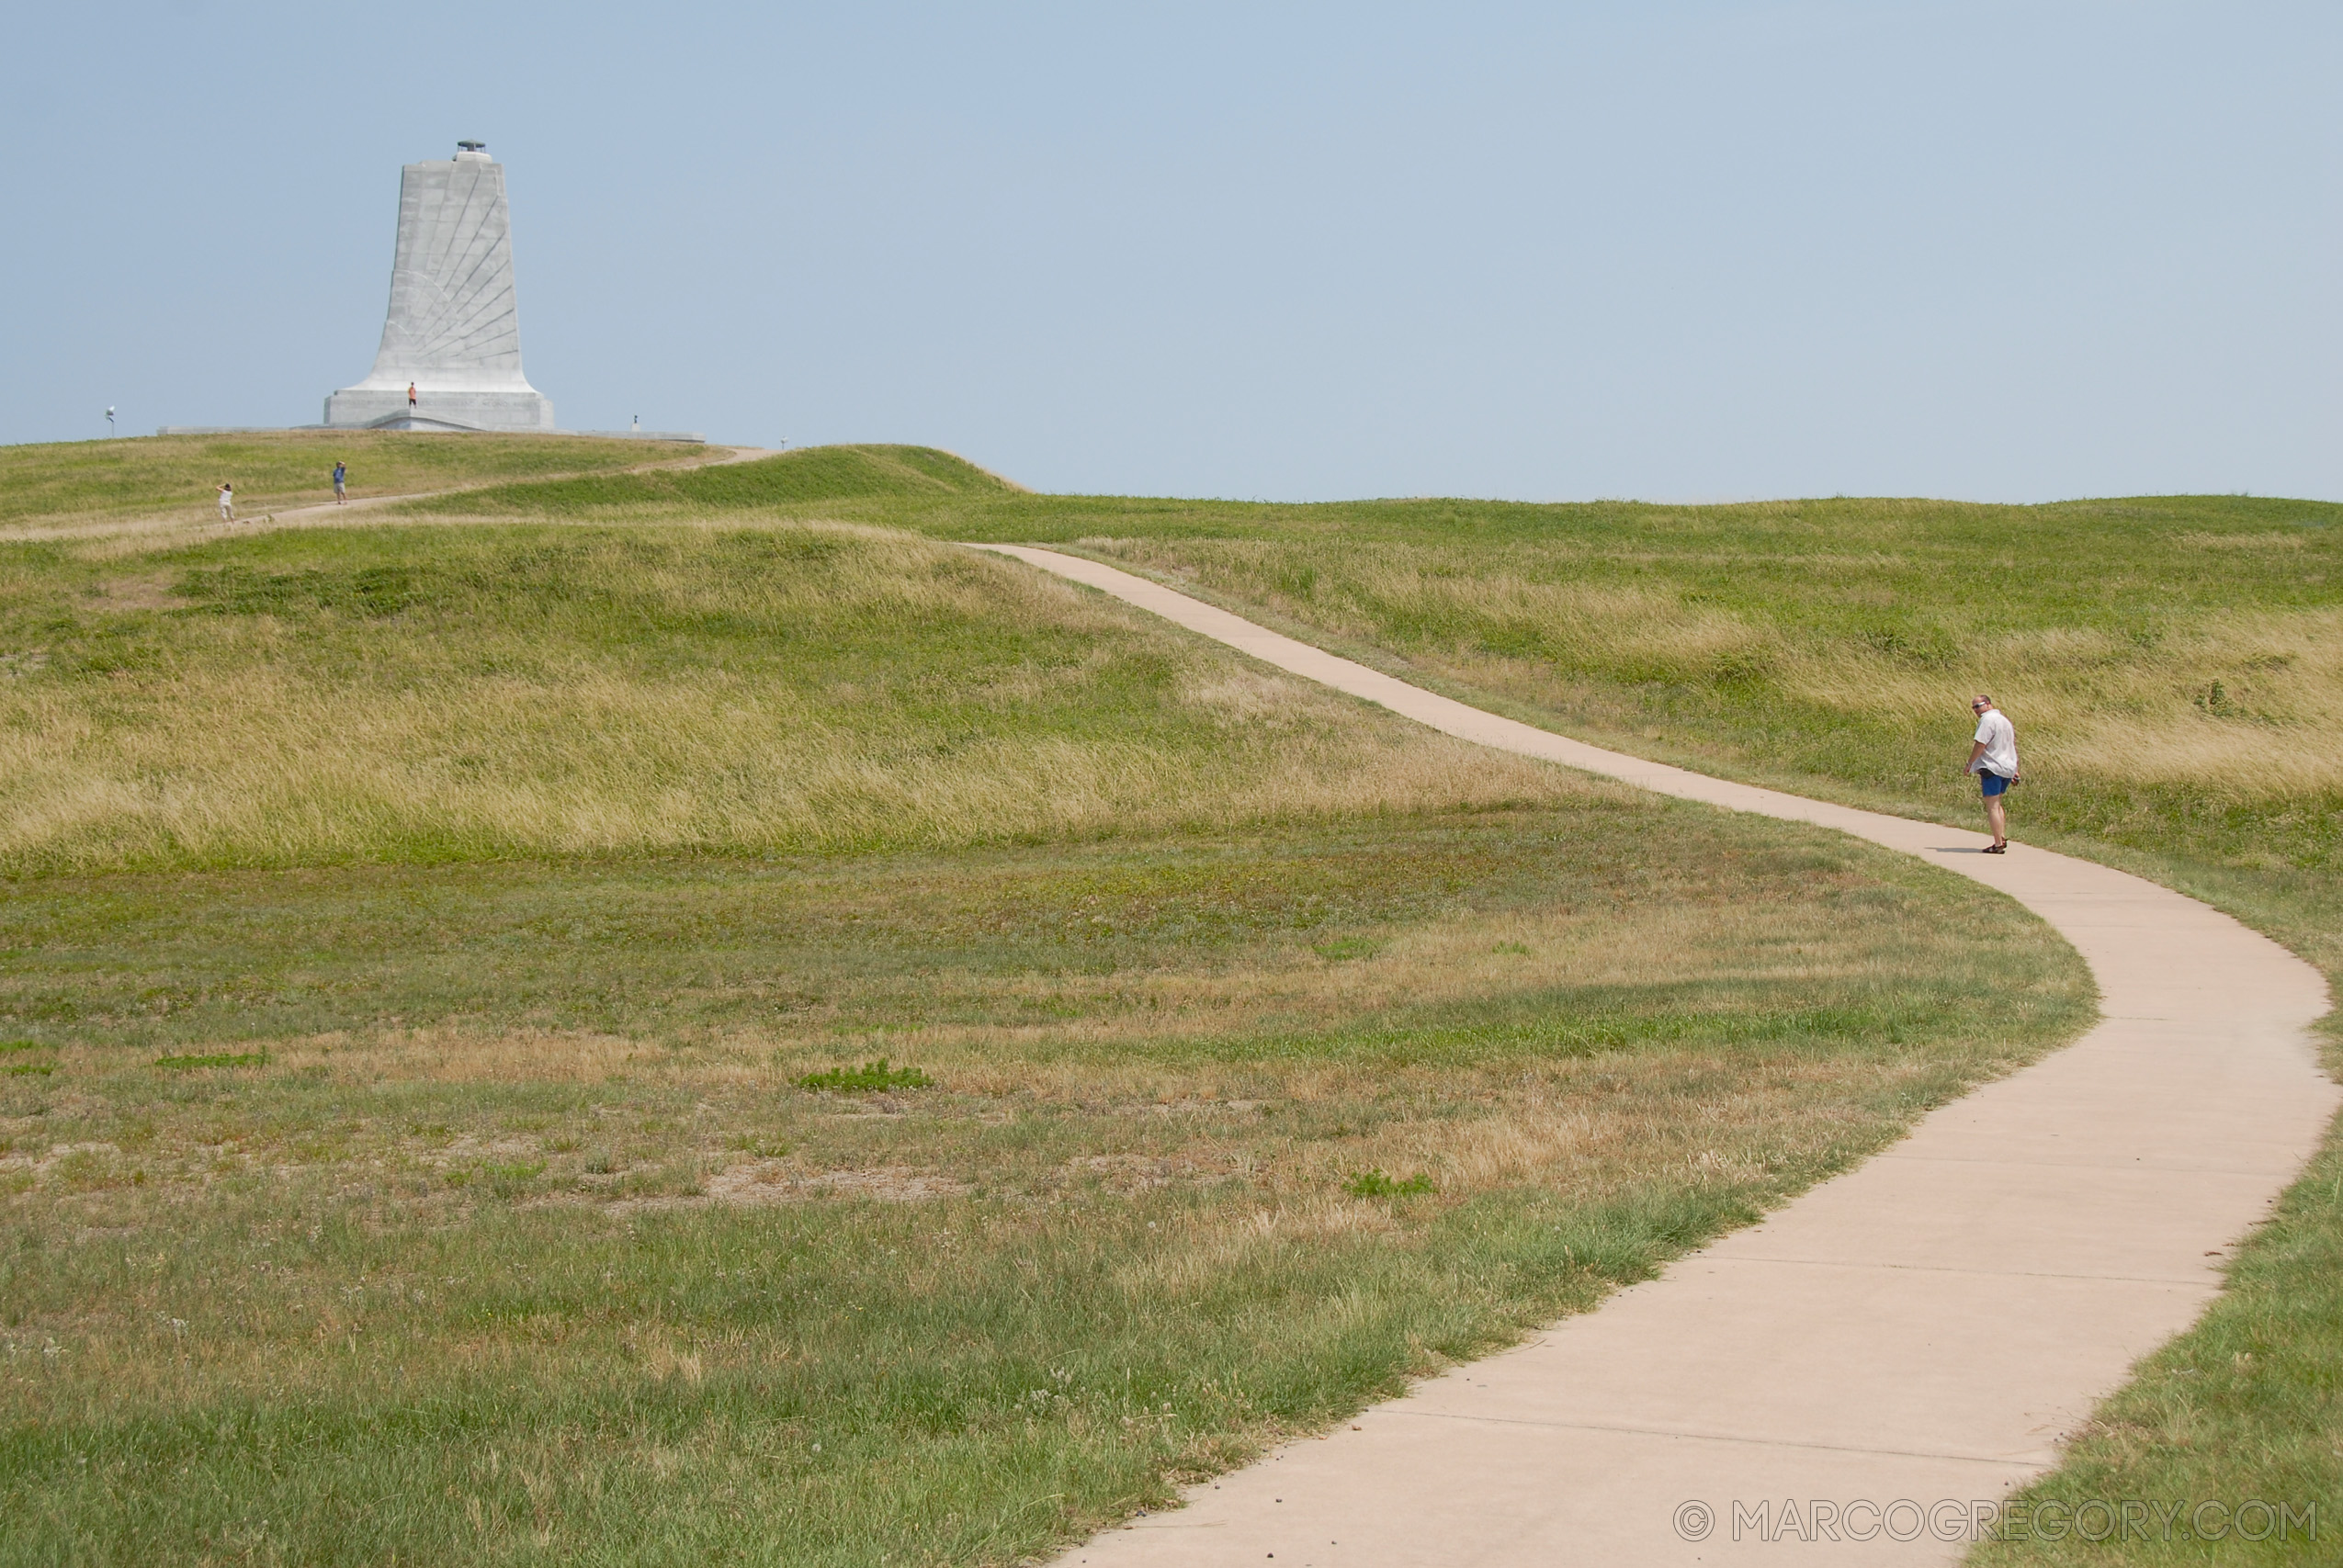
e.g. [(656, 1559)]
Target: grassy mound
[(315, 696), (812, 474)]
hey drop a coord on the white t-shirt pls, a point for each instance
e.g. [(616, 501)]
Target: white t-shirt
[(2000, 739)]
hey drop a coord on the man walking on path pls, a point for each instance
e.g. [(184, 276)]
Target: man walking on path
[(341, 472), (1994, 759), (227, 501)]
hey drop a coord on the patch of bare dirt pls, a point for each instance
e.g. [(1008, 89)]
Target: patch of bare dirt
[(760, 1181), (1126, 1175), (776, 1181), (149, 590)]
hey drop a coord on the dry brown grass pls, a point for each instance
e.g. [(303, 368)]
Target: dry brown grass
[(2104, 709), (291, 738), (255, 766)]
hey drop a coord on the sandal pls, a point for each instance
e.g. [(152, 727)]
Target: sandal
[(1996, 849)]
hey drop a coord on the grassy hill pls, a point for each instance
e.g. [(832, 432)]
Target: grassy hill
[(2175, 665), (811, 473), (657, 1016), (2173, 659), (366, 694)]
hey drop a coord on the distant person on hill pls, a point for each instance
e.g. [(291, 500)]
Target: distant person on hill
[(1993, 757), (227, 501), (341, 472), (410, 397)]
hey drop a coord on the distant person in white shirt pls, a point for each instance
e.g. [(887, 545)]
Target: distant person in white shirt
[(1994, 759), (227, 501)]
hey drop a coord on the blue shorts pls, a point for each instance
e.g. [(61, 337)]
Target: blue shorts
[(1991, 783)]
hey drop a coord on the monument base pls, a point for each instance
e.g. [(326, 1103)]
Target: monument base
[(385, 407)]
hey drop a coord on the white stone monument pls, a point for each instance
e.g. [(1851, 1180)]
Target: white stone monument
[(452, 333)]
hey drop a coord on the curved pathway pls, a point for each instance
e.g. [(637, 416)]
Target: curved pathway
[(1924, 1329)]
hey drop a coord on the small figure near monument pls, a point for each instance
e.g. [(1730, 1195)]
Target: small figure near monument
[(227, 501), (341, 472), (1993, 757), (410, 397)]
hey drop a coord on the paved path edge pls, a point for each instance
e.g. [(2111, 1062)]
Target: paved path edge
[(1900, 1344)]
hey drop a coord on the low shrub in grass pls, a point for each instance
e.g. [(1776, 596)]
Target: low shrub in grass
[(216, 1059), (869, 1077)]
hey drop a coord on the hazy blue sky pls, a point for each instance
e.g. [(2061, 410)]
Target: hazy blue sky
[(1687, 250)]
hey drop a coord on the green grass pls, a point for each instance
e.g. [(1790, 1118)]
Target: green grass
[(2174, 662), (2175, 665), (812, 474), (2176, 668), (417, 694), (671, 1024), (1279, 1051), (866, 1079), (75, 486), (527, 1245)]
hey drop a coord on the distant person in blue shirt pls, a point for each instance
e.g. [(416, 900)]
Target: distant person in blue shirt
[(341, 472), (1993, 757)]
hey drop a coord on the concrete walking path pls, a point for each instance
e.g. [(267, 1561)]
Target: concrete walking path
[(1923, 1330)]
